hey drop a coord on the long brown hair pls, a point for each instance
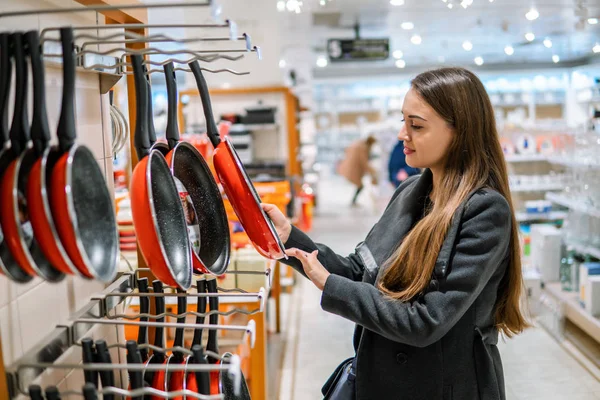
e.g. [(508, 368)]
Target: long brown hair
[(474, 160)]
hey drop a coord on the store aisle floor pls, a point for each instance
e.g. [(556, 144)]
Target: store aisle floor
[(536, 367)]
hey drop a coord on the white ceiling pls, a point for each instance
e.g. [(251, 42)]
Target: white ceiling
[(488, 26)]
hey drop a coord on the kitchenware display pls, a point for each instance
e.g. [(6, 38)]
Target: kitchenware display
[(9, 266), (158, 216), (236, 184), (199, 193), (81, 204)]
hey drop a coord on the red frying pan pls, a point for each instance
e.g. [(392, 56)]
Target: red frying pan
[(14, 214), (8, 264), (43, 159), (158, 216), (236, 183), (205, 211), (81, 204)]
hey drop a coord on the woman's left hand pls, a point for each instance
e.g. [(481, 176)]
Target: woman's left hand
[(313, 268)]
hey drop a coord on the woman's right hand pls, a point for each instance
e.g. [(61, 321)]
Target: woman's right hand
[(282, 225)]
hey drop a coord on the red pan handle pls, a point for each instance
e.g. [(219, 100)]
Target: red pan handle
[(211, 127), (5, 78), (144, 309), (40, 131), (141, 140), (19, 131), (172, 126), (66, 123)]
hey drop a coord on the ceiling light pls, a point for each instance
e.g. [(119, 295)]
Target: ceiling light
[(530, 36), (400, 63), (416, 39), (468, 46), (398, 54), (532, 14), (445, 1), (407, 26), (491, 1), (509, 50), (282, 63), (321, 62), (596, 48), (547, 43), (555, 58), (592, 21), (450, 6), (466, 3), (478, 60), (397, 2), (281, 5)]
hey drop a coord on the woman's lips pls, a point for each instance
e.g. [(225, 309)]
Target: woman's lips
[(408, 151)]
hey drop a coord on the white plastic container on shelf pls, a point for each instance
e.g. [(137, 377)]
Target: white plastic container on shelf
[(546, 243), (592, 295)]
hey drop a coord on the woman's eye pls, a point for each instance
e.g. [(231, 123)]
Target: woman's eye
[(402, 120), (416, 127)]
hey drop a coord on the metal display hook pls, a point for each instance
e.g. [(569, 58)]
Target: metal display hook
[(158, 38)]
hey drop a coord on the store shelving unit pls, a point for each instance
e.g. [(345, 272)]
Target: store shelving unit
[(551, 216), (536, 188), (570, 162), (584, 249), (518, 158), (573, 204)]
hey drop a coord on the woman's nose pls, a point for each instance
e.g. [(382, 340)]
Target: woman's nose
[(403, 133)]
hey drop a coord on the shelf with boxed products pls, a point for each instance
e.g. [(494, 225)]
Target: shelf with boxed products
[(550, 216), (517, 158), (573, 204)]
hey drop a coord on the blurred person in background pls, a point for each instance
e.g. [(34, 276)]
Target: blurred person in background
[(355, 164), (398, 169)]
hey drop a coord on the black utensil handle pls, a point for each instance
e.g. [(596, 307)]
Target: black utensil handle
[(144, 309), (141, 141), (87, 352), (66, 123), (213, 319), (178, 356), (52, 393), (107, 377), (159, 340), (151, 130), (211, 127), (172, 125), (19, 131), (136, 378), (5, 80), (202, 377), (90, 392), (201, 309), (40, 130), (35, 392)]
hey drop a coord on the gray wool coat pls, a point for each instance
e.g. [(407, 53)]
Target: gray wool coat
[(442, 345)]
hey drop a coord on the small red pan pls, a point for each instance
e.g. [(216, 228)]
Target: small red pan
[(205, 211), (40, 160), (14, 214), (237, 185), (82, 206), (158, 216), (8, 264)]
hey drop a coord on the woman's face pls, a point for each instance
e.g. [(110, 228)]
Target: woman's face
[(426, 135)]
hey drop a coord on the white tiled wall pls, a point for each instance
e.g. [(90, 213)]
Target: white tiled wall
[(29, 312)]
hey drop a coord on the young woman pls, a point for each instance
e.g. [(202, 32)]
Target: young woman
[(438, 278)]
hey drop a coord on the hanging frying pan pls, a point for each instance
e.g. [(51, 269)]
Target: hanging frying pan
[(175, 380), (142, 284), (136, 379), (158, 216), (81, 204), (8, 264), (239, 190), (198, 189), (156, 379), (37, 165), (192, 383)]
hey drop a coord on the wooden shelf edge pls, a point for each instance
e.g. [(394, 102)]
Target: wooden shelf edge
[(130, 16)]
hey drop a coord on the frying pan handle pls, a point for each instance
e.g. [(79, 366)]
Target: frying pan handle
[(172, 126), (35, 392), (178, 341), (5, 78), (19, 131), (133, 357), (213, 319), (141, 140), (66, 122), (202, 377), (197, 339), (211, 126), (40, 131), (52, 393), (89, 392), (107, 377), (144, 309), (160, 309), (150, 116), (87, 352)]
